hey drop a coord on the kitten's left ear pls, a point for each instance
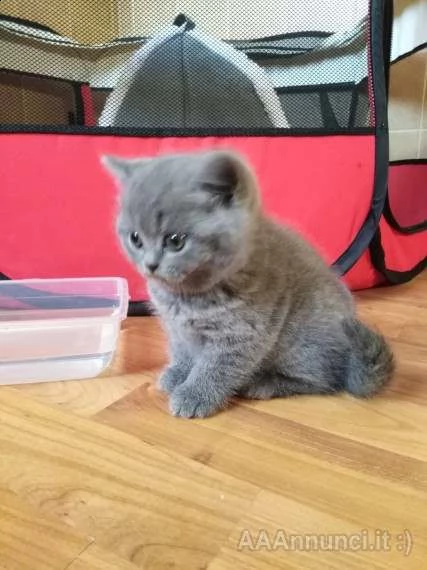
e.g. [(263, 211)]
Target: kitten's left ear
[(121, 168)]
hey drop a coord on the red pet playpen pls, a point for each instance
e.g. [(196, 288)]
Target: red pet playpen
[(303, 96)]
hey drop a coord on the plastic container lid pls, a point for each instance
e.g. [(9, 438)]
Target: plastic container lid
[(59, 329), (40, 299)]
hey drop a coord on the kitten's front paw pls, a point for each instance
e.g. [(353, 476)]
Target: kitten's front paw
[(171, 377), (190, 401)]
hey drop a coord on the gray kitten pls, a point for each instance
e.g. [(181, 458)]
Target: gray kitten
[(250, 309)]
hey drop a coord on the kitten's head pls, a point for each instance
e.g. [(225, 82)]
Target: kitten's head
[(186, 220)]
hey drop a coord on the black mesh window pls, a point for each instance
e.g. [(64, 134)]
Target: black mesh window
[(236, 65)]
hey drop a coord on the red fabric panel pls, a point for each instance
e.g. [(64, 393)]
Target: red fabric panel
[(88, 106), (58, 204), (402, 252), (408, 193)]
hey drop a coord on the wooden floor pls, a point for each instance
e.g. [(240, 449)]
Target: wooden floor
[(96, 475)]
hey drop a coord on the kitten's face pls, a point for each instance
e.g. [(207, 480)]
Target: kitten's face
[(185, 220)]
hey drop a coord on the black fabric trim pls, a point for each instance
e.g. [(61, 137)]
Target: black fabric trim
[(79, 116), (29, 23), (387, 40), (125, 131), (262, 54), (102, 89), (409, 53), (310, 34), (264, 51), (380, 36), (404, 161), (320, 87), (328, 115), (388, 213), (378, 261), (353, 107)]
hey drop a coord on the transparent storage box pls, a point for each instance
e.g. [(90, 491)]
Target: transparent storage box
[(59, 329)]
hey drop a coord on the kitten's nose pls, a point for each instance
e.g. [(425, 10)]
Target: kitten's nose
[(152, 267)]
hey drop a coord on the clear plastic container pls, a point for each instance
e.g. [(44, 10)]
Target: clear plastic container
[(59, 329)]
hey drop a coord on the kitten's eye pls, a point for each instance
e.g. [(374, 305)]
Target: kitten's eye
[(135, 240), (175, 242)]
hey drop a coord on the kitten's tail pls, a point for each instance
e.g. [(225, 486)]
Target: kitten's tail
[(371, 360)]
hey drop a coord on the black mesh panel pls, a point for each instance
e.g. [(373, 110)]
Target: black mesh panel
[(235, 66)]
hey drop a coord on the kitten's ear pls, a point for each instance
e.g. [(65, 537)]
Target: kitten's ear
[(121, 168), (230, 178), (221, 174)]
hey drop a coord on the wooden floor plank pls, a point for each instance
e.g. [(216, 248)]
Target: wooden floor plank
[(282, 533), (140, 502), (29, 541), (95, 558), (98, 475)]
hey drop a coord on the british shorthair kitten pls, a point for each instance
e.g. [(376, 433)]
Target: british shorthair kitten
[(250, 309)]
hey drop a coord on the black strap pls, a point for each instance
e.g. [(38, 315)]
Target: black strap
[(378, 261)]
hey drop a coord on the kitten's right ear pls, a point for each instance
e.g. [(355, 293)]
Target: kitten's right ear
[(121, 168), (226, 175)]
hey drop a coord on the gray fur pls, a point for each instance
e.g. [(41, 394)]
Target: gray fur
[(249, 307)]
